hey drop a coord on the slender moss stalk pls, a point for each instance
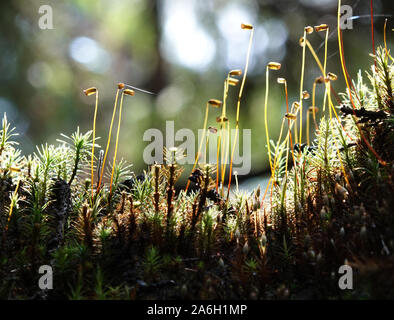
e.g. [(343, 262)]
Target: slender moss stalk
[(116, 143), (225, 90), (216, 104), (290, 116), (120, 87), (314, 102), (302, 82), (130, 93), (325, 81), (201, 142), (248, 27), (325, 67), (223, 126), (273, 66), (373, 35), (385, 42), (289, 135), (225, 155), (88, 92)]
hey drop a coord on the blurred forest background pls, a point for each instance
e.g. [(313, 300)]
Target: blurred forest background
[(181, 50)]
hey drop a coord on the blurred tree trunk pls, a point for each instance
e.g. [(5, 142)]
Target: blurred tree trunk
[(159, 78)]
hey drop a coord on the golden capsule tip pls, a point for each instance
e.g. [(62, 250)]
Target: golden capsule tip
[(319, 79), (274, 65), (246, 26), (290, 116), (305, 95), (215, 103), (212, 130), (313, 109), (321, 27), (221, 119), (235, 72), (308, 29), (331, 76), (120, 85), (281, 80), (129, 92), (90, 91), (233, 81)]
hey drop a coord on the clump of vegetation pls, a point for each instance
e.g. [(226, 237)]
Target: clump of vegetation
[(328, 203)]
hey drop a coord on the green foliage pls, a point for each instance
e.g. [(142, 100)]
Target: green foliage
[(80, 144), (152, 263)]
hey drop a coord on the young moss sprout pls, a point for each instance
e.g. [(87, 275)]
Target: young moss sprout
[(89, 92)]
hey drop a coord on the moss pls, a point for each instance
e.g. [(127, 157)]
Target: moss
[(328, 204)]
